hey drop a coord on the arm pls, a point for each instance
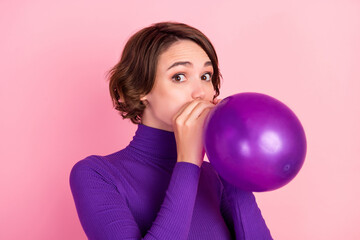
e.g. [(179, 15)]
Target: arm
[(242, 214), (104, 213)]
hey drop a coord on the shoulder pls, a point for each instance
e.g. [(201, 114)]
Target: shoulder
[(83, 166), (89, 168), (99, 163), (87, 163)]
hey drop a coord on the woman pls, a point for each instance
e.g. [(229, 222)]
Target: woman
[(158, 187)]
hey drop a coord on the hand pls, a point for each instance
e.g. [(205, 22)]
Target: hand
[(188, 126), (217, 100)]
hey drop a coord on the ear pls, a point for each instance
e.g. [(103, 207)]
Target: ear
[(143, 99)]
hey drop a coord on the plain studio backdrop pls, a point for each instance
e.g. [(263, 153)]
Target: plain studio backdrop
[(55, 104)]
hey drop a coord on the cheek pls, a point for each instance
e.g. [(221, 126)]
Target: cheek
[(167, 106), (173, 109), (210, 91)]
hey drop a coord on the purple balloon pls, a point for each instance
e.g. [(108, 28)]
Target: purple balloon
[(254, 141)]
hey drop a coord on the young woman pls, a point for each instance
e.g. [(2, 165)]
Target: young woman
[(158, 187)]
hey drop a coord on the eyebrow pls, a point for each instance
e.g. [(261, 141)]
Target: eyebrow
[(185, 63)]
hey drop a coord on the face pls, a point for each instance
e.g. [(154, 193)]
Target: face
[(183, 73)]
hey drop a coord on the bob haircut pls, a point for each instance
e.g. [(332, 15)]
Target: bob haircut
[(134, 75)]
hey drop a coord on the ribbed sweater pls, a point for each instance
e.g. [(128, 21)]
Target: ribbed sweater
[(142, 192)]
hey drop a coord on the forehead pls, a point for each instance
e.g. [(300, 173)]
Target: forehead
[(184, 50)]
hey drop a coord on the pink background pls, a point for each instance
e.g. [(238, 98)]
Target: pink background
[(56, 108)]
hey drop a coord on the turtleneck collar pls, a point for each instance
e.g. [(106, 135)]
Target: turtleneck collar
[(156, 143)]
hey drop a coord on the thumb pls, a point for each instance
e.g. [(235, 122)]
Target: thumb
[(217, 100)]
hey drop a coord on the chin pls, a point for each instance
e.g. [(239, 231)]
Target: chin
[(169, 127)]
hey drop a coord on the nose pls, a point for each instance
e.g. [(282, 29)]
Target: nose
[(198, 90)]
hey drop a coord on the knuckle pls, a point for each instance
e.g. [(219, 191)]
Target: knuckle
[(187, 124), (178, 121)]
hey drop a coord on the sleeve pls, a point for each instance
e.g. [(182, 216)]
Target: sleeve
[(242, 214), (104, 213)]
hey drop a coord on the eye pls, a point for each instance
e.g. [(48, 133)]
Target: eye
[(203, 77), (177, 77)]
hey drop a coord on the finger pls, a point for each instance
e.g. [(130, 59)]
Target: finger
[(206, 112), (181, 110), (203, 116), (186, 109), (200, 110), (217, 100)]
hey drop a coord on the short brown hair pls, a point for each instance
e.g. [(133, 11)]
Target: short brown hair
[(134, 75)]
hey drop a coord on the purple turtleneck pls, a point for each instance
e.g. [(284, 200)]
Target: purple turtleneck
[(142, 192)]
